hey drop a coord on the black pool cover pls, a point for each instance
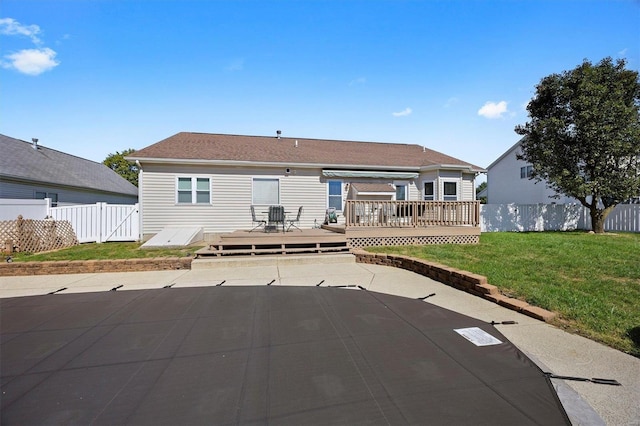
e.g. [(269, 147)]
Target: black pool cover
[(258, 355)]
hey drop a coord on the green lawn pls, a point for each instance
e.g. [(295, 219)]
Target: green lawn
[(591, 281), (104, 251)]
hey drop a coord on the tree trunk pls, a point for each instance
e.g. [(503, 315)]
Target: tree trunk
[(598, 217)]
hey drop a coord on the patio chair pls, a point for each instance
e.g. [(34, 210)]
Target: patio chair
[(276, 216), (292, 222), (254, 220)]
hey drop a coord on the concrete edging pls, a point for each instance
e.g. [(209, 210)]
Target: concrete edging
[(459, 279)]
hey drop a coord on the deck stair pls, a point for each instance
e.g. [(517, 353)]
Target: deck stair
[(244, 243)]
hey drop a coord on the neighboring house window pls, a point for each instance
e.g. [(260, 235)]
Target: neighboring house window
[(526, 172), (401, 192), (429, 193), (50, 195), (450, 191), (193, 190), (266, 191), (335, 194)]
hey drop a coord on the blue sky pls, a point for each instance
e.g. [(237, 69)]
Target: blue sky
[(94, 77)]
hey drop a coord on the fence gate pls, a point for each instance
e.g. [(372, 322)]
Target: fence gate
[(101, 222)]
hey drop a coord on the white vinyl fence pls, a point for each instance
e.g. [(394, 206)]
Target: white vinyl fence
[(11, 208), (101, 222), (554, 217)]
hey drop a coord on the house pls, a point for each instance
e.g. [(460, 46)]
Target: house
[(508, 182), (211, 180), (32, 171)]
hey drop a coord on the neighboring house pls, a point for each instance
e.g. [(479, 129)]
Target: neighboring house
[(32, 171), (211, 180), (508, 182)]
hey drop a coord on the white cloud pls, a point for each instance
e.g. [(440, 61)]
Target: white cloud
[(32, 61), (407, 111), (9, 26), (359, 80), (27, 61), (493, 110), (623, 53)]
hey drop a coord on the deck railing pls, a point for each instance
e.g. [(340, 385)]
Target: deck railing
[(411, 214)]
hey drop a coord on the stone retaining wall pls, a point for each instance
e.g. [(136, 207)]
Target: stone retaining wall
[(462, 280), (91, 266)]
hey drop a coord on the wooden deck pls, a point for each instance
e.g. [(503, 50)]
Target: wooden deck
[(293, 242), (372, 236), (367, 224), (334, 239)]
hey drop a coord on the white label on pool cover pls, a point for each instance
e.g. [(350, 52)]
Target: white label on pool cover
[(477, 336)]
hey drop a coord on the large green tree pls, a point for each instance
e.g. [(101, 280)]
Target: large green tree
[(121, 166), (583, 137)]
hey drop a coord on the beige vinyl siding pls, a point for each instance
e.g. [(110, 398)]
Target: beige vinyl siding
[(465, 182), (449, 176), (305, 189), (160, 209), (468, 191), (231, 195), (232, 190), (414, 191), (431, 176)]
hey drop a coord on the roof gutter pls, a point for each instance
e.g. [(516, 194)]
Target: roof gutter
[(22, 180), (464, 168), (238, 163)]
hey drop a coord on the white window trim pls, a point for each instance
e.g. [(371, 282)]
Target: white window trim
[(341, 192), (52, 196), (194, 189), (435, 190), (457, 182), (528, 171), (406, 190), (277, 178)]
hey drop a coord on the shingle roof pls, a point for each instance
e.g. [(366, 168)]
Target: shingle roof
[(285, 150), (19, 160)]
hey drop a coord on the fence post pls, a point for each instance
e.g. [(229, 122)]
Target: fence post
[(99, 221)]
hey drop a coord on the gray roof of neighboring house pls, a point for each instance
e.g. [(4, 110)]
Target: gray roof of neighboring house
[(20, 161), (195, 147)]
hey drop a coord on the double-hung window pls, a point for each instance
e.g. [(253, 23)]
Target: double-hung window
[(193, 190), (53, 196), (450, 191), (429, 191), (266, 191), (526, 172), (401, 192), (335, 194)]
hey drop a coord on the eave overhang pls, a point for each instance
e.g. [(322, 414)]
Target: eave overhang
[(410, 170)]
